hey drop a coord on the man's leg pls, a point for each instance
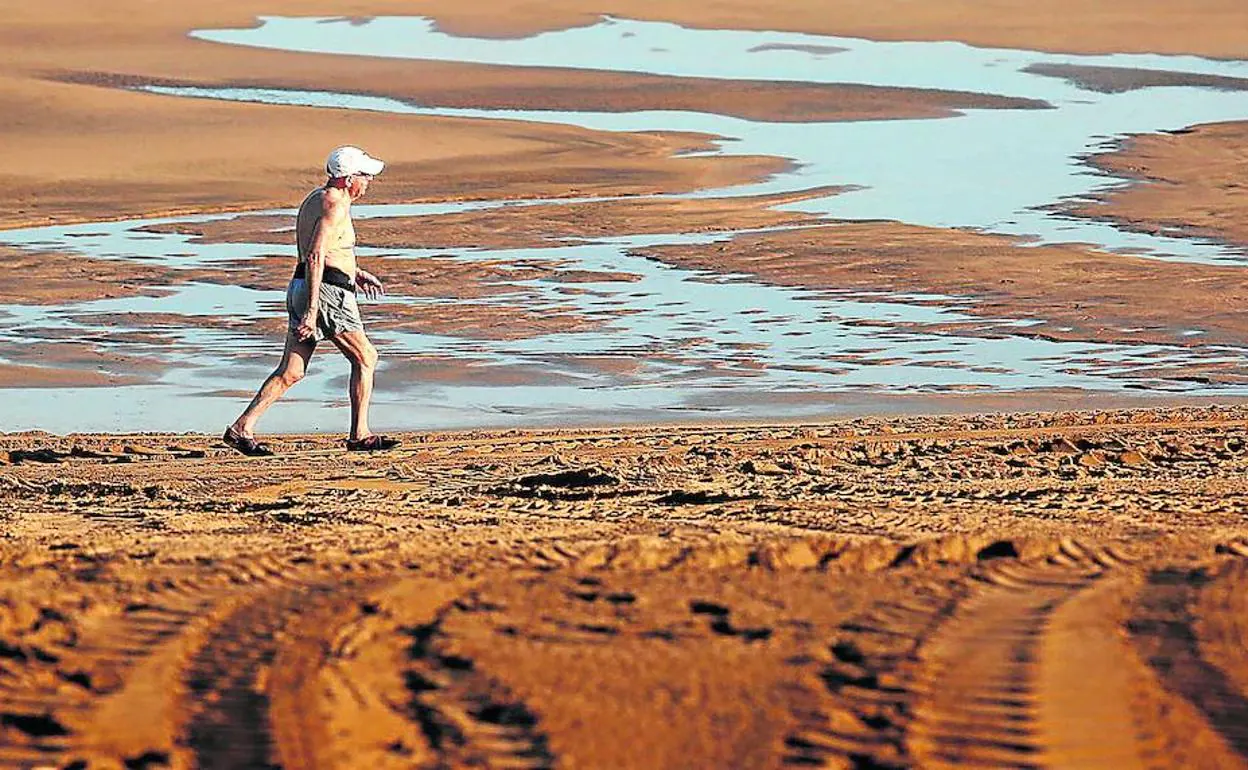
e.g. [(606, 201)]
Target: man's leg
[(363, 357), (291, 369)]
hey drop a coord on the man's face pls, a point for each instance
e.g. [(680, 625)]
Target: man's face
[(357, 185)]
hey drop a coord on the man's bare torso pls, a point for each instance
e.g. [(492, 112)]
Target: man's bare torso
[(340, 252)]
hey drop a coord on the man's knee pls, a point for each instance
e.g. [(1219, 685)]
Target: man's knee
[(360, 351), (368, 356), (289, 375)]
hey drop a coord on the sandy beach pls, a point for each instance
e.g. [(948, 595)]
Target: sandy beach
[(1048, 589), (956, 575)]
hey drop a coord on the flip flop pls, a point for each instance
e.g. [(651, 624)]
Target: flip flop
[(245, 444), (372, 443)]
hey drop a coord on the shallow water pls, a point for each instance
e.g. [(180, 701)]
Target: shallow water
[(703, 344), (992, 169)]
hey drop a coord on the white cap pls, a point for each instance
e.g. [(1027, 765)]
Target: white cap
[(347, 160)]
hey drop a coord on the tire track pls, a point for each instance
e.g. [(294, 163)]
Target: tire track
[(336, 689), (468, 718), (959, 675), (110, 663), (1221, 612), (870, 681), (989, 671), (1164, 628), (222, 659), (253, 679), (336, 694), (275, 673), (129, 661), (230, 729)]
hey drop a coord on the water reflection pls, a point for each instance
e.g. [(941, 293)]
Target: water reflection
[(666, 341), (998, 170), (684, 336)]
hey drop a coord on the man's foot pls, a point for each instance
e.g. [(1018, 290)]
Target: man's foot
[(372, 443), (245, 444)]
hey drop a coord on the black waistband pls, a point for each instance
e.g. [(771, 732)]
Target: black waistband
[(330, 275)]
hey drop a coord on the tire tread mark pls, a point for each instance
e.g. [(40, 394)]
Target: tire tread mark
[(468, 719), (894, 675), (870, 681), (175, 610), (232, 675), (1162, 626), (978, 687), (230, 728)]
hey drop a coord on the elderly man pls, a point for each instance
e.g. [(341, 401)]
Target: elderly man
[(321, 303)]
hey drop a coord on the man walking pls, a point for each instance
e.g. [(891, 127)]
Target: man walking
[(321, 303)]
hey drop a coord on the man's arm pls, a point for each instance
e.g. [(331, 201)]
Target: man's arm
[(369, 284), (334, 213)]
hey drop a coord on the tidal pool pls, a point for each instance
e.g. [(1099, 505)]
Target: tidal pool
[(999, 170), (695, 343)]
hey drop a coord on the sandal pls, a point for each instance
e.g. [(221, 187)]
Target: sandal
[(245, 444), (372, 443)]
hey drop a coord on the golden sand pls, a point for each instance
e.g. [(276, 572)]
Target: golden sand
[(988, 590)]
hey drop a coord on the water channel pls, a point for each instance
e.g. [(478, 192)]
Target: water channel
[(705, 346)]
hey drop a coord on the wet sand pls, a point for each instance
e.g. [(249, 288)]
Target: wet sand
[(210, 156), (1072, 293), (64, 60), (1192, 182), (995, 588)]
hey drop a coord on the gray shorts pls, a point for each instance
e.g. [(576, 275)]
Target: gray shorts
[(337, 312)]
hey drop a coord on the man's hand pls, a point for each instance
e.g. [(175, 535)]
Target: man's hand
[(306, 331), (368, 284)]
